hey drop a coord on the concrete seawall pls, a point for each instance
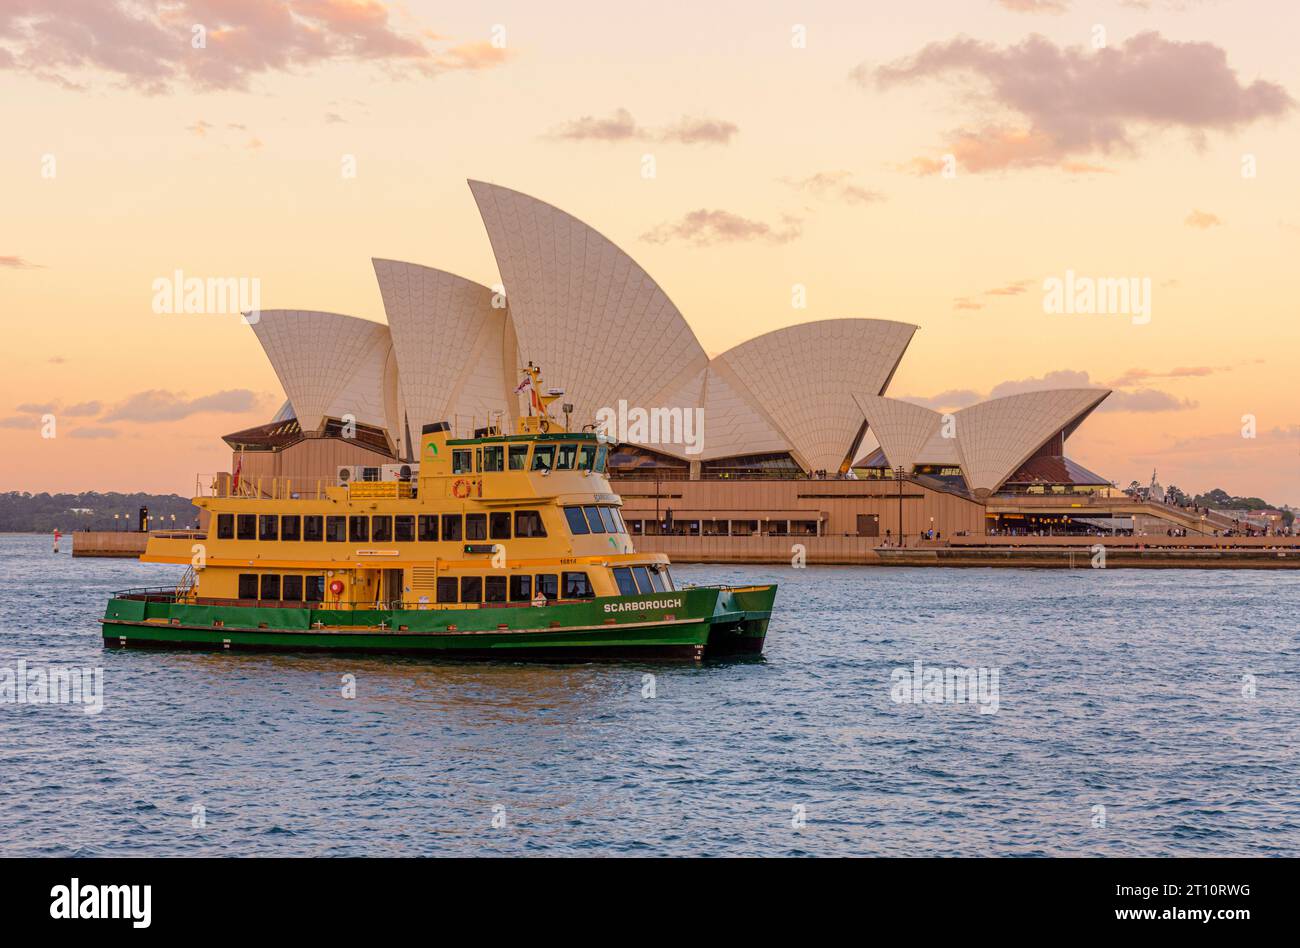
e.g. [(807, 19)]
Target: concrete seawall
[(1020, 552), (108, 543)]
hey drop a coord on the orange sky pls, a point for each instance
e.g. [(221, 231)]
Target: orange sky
[(129, 154)]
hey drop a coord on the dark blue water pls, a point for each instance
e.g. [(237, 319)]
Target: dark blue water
[(1117, 689)]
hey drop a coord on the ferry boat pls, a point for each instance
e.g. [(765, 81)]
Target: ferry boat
[(496, 546)]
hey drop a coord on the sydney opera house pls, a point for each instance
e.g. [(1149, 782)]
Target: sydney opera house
[(796, 436)]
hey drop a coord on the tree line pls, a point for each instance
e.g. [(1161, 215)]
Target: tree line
[(23, 512)]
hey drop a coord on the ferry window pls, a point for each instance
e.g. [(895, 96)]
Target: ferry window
[(566, 457), (270, 586), (225, 526), (548, 585), (618, 519), (577, 586), (291, 528), (528, 523), (601, 454), (521, 588), (381, 529), (494, 589), (246, 527), (315, 591), (478, 459), (500, 525), (404, 529), (607, 516), (447, 588), (428, 528), (518, 457), (335, 529), (462, 462), (626, 584), (471, 589), (593, 518), (451, 526), (642, 579), (667, 577), (544, 457), (494, 456), (247, 585), (291, 589), (358, 529), (586, 454), (577, 522), (268, 527), (312, 529), (658, 580), (475, 526)]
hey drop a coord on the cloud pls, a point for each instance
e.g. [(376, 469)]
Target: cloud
[(1142, 400), (619, 127), (1202, 220), (18, 263), (333, 118), (37, 408), (952, 398), (199, 128), (92, 432), (1061, 378), (159, 405), (150, 45), (1011, 289), (963, 302), (1137, 376), (696, 131), (835, 185), (1066, 103), (83, 409), (622, 127), (1145, 400), (19, 421), (705, 227)]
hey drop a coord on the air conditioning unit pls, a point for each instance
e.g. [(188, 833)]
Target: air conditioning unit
[(400, 472), (357, 472)]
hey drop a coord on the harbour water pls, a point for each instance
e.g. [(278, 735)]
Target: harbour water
[(1137, 713)]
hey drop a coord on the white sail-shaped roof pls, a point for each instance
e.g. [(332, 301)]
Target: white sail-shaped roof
[(331, 365), (805, 377), (903, 429), (995, 437), (734, 424), (598, 325), (449, 341)]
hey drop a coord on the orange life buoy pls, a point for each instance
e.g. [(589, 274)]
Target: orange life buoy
[(336, 587), (461, 488)]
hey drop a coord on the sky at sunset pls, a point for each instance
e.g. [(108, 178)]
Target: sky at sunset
[(931, 162)]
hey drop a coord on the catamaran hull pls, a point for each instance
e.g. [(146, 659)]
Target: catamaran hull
[(687, 625)]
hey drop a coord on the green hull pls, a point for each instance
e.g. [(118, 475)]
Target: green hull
[(688, 624)]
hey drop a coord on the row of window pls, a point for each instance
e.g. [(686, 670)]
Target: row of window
[(639, 580), (382, 528), (594, 519), (723, 528), (450, 589), (287, 588), (566, 456)]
